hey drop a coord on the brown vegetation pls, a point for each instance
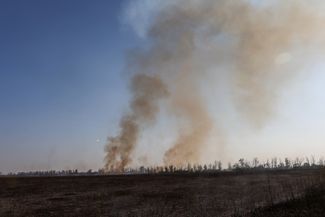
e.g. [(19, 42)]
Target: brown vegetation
[(196, 194)]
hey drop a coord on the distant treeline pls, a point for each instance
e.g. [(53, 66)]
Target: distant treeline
[(57, 173), (242, 165)]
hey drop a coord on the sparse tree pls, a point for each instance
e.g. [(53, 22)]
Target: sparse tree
[(287, 163), (241, 162), (219, 165), (297, 163), (307, 163), (229, 166), (267, 164), (255, 162), (189, 167), (312, 161), (274, 162), (214, 167), (281, 164)]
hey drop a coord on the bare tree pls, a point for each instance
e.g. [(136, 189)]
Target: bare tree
[(241, 162), (312, 161), (256, 162), (287, 162), (230, 167), (274, 162)]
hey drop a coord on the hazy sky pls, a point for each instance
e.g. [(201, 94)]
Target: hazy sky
[(63, 89)]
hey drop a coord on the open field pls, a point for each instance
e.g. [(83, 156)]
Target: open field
[(311, 204), (222, 194)]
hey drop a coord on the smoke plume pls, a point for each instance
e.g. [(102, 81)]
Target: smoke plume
[(187, 39), (146, 90)]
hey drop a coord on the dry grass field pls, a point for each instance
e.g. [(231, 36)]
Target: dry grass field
[(222, 194)]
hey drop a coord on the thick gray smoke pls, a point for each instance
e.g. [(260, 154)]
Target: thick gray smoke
[(187, 38)]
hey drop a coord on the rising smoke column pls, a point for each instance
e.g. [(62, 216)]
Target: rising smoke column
[(146, 90), (187, 38)]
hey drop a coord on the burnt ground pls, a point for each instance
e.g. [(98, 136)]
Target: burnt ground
[(311, 204), (223, 194)]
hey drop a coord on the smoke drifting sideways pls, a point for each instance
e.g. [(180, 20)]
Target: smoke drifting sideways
[(189, 37)]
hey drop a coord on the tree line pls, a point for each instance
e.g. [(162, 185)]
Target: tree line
[(215, 167), (241, 165)]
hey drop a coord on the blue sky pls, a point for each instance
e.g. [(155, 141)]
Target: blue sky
[(63, 88), (61, 81)]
